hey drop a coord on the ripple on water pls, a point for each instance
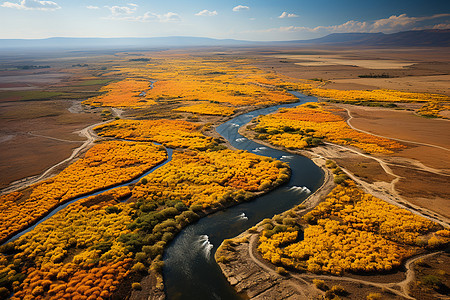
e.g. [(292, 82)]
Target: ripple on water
[(299, 189), (205, 245)]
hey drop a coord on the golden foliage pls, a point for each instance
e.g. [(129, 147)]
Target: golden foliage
[(350, 231), (213, 177), (76, 253), (104, 165), (207, 108), (171, 133), (306, 125), (377, 95), (433, 109), (125, 93), (225, 80)]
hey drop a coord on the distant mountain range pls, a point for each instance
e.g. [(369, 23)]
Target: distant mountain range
[(415, 38)]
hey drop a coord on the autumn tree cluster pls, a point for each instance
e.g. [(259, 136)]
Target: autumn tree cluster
[(233, 81), (129, 92), (350, 231), (74, 255), (207, 108), (171, 133), (88, 249), (377, 95), (433, 110), (212, 178), (104, 165), (309, 124), (190, 78)]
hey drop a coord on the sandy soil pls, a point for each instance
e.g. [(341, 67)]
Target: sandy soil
[(26, 156), (414, 70), (329, 60), (431, 84), (36, 135), (438, 266), (406, 125), (422, 170), (29, 80)]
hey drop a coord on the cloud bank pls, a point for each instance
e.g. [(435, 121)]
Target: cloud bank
[(128, 13), (388, 25), (32, 5)]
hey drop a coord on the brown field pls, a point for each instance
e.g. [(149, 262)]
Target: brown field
[(332, 60), (29, 136), (424, 189), (406, 125), (41, 112), (30, 80), (412, 70), (424, 170), (431, 84), (24, 156)]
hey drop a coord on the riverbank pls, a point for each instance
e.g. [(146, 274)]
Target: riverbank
[(242, 264), (254, 277), (376, 177), (153, 286)]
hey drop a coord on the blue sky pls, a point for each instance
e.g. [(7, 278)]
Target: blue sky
[(247, 20)]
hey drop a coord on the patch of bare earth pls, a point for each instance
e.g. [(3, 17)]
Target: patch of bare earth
[(424, 167), (37, 135), (424, 189), (432, 278), (430, 84), (411, 70)]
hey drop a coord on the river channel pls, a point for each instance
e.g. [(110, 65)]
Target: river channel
[(190, 271)]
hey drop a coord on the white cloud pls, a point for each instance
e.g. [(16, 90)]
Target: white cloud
[(442, 26), (240, 7), (169, 17), (287, 15), (206, 12), (32, 5), (146, 17), (387, 25), (122, 10), (92, 7), (128, 13)]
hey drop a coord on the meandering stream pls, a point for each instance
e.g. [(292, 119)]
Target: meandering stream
[(190, 271), (62, 206)]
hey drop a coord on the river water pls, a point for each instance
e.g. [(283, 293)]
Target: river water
[(190, 271), (62, 206)]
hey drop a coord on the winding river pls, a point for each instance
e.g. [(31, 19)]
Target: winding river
[(62, 206), (190, 271)]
